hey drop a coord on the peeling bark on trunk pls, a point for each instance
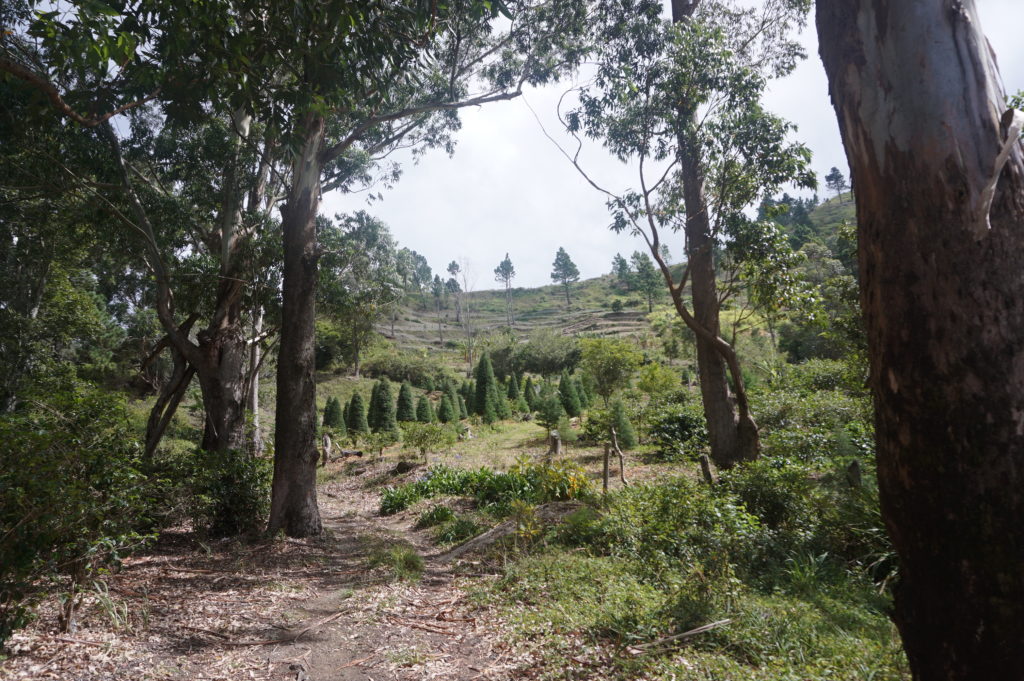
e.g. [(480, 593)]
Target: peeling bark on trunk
[(293, 502), (940, 208)]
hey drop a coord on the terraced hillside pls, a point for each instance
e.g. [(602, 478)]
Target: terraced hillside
[(589, 312)]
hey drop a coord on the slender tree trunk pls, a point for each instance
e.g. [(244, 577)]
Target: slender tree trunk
[(355, 355), (293, 505), (171, 392), (732, 431), (252, 403), (939, 173)]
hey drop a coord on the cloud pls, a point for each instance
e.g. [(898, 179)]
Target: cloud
[(509, 189)]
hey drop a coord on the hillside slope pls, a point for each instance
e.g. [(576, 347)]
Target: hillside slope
[(589, 312)]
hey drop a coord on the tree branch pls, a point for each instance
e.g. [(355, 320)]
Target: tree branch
[(50, 90), (338, 149)]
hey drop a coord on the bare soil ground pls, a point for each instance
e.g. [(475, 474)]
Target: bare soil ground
[(283, 609)]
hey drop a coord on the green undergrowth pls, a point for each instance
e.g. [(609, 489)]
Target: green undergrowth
[(492, 491), (400, 560), (793, 556)]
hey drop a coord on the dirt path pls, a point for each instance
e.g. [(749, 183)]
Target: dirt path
[(422, 629), (302, 610)]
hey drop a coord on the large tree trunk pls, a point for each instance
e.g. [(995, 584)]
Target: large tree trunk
[(732, 432), (223, 383), (293, 505), (940, 207), (222, 344)]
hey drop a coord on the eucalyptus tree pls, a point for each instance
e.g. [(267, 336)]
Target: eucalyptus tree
[(438, 291), (647, 278), (387, 73), (936, 159), (454, 289), (334, 86), (49, 235), (504, 273), (359, 280), (193, 241), (681, 99)]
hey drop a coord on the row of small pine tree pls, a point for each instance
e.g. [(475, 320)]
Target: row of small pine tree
[(384, 414), (484, 396)]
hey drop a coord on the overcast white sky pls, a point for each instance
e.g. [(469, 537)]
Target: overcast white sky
[(508, 189)]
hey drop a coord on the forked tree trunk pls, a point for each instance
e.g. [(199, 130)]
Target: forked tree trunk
[(171, 393), (293, 506), (940, 214)]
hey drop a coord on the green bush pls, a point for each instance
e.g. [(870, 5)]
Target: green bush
[(824, 410), (456, 531), (535, 483), (434, 516), (429, 437), (72, 497), (417, 368), (678, 430), (679, 522), (231, 493), (780, 493), (820, 374)]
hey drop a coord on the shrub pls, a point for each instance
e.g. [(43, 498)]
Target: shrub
[(403, 365), (780, 493), (535, 483), (819, 374), (825, 410), (429, 437), (677, 522), (231, 493), (456, 530), (72, 498), (677, 430), (434, 516)]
